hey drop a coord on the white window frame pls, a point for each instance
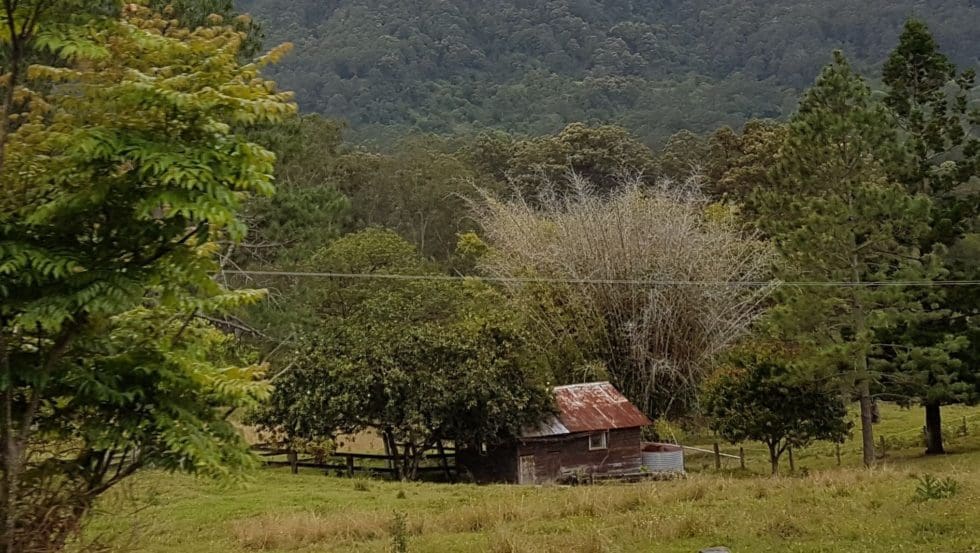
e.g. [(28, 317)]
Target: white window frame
[(604, 441)]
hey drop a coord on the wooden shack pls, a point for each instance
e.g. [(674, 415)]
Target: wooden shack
[(595, 433)]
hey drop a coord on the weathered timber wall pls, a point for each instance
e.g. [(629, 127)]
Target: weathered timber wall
[(554, 459)]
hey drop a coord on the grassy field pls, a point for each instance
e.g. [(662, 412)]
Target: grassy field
[(821, 508)]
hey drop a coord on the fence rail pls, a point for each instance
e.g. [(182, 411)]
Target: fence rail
[(710, 451), (352, 463)]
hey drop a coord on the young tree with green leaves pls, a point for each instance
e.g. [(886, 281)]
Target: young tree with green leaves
[(605, 155), (939, 133), (836, 218), (761, 394), (419, 360), (120, 169), (201, 13), (743, 161)]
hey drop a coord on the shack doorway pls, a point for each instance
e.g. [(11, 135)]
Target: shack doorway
[(526, 470)]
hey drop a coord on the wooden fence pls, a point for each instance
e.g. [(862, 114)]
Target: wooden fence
[(350, 464)]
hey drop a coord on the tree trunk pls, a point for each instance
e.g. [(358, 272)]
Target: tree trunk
[(867, 429), (390, 461), (12, 453), (774, 459), (392, 447), (934, 429), (10, 459), (445, 462), (863, 377)]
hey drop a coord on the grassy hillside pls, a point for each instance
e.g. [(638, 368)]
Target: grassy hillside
[(390, 66), (820, 509)]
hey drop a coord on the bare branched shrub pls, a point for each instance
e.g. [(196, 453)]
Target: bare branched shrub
[(655, 280)]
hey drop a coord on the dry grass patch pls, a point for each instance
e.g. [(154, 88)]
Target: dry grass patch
[(783, 527), (295, 530), (484, 516), (603, 500), (513, 541), (682, 526), (505, 541)]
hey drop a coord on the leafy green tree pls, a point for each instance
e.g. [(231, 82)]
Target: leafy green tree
[(120, 170), (203, 13), (684, 153), (420, 190), (835, 217), (744, 160), (939, 132), (420, 360), (760, 394), (604, 155)]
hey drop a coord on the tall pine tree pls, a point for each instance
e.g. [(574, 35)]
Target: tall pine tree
[(836, 217), (933, 359)]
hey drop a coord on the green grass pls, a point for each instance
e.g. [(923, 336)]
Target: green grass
[(821, 509)]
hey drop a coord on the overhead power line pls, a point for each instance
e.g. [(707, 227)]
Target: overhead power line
[(628, 282)]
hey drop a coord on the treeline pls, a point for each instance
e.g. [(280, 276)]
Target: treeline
[(392, 68), (653, 265)]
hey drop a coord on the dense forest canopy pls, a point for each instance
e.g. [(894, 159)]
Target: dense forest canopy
[(534, 66)]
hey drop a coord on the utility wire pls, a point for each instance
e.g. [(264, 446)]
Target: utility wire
[(631, 282)]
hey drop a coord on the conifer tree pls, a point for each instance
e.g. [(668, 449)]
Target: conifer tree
[(933, 361), (836, 218)]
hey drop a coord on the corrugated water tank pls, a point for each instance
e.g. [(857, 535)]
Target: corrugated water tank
[(663, 457)]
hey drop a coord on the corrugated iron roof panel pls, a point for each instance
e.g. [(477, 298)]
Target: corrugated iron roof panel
[(596, 406), (550, 427), (589, 408)]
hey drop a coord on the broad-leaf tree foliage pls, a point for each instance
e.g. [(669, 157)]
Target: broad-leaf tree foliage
[(760, 393), (420, 190), (120, 169), (836, 217), (939, 132), (605, 155), (740, 163), (419, 360), (198, 13)]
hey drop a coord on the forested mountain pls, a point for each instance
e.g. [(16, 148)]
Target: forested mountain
[(533, 66)]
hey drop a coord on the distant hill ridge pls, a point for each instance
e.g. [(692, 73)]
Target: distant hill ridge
[(456, 66)]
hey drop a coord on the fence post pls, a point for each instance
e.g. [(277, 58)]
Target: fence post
[(293, 459), (741, 458), (350, 465), (445, 462), (717, 456), (837, 452), (792, 463), (965, 429), (882, 445)]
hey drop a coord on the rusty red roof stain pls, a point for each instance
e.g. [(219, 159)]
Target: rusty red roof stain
[(596, 406)]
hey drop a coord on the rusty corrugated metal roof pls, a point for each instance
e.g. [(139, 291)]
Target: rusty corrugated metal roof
[(589, 408), (549, 427)]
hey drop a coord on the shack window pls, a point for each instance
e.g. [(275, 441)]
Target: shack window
[(598, 441)]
